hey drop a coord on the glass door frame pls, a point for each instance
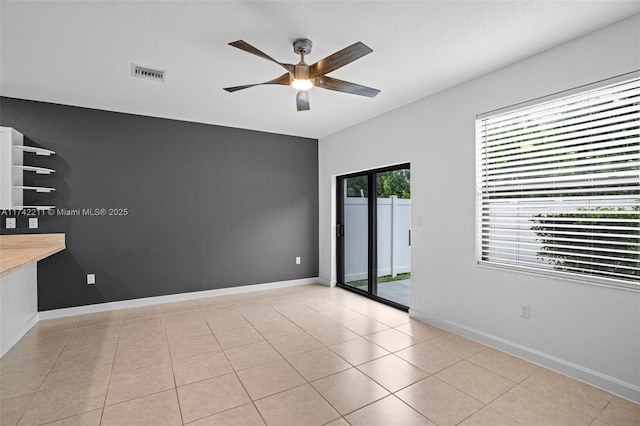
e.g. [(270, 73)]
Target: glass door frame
[(372, 231)]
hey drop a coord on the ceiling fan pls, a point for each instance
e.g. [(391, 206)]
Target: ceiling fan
[(303, 77)]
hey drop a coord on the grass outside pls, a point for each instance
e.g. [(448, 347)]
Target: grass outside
[(381, 280)]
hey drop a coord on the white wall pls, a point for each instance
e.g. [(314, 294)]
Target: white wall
[(18, 304), (589, 332)]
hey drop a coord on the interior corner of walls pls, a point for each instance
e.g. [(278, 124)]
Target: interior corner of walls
[(326, 282)]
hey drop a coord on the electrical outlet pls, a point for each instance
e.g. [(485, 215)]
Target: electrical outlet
[(298, 261), (33, 222), (91, 278), (11, 223), (525, 310), (419, 221)]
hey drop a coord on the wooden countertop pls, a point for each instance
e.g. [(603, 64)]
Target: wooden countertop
[(19, 250)]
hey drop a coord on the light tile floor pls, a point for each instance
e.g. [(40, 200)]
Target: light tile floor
[(300, 356)]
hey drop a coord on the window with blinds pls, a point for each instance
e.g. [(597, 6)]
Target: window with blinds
[(558, 185)]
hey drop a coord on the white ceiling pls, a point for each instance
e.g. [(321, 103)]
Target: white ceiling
[(80, 53)]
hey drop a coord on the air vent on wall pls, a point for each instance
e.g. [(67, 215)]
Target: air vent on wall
[(146, 72)]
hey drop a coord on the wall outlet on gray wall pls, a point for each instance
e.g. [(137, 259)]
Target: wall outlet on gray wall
[(11, 222), (298, 261), (91, 278)]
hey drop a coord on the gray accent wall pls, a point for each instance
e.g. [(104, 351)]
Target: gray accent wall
[(208, 207)]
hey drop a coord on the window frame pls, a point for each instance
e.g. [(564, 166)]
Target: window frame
[(480, 147)]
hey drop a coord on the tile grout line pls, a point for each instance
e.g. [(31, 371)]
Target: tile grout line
[(449, 384), (234, 372), (341, 416), (173, 373), (356, 368), (48, 371), (58, 357), (113, 361), (308, 383), (390, 393), (604, 408)]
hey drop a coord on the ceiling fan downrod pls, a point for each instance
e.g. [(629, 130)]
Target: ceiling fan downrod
[(301, 46)]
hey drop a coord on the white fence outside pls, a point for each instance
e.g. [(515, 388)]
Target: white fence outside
[(394, 224)]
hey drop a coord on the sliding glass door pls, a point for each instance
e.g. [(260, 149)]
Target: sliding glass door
[(373, 231), (355, 225)]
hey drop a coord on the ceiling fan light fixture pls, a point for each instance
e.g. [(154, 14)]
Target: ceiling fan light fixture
[(303, 77), (302, 84)]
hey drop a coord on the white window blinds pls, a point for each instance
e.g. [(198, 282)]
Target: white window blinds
[(558, 185)]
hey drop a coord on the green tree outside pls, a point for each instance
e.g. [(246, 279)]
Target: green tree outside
[(395, 182), (586, 248)]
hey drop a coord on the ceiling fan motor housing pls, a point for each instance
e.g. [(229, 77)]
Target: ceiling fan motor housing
[(301, 71), (302, 46)]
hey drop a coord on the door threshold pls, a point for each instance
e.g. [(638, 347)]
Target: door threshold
[(374, 297)]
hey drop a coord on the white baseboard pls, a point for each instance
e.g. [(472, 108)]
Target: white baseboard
[(19, 333), (134, 303), (610, 384), (326, 282)]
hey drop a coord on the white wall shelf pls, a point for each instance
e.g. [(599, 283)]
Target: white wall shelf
[(12, 169), (38, 170), (34, 188), (37, 151)]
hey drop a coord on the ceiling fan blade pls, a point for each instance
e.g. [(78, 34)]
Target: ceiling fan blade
[(339, 59), (329, 83), (236, 88), (243, 45), (284, 79), (302, 100)]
